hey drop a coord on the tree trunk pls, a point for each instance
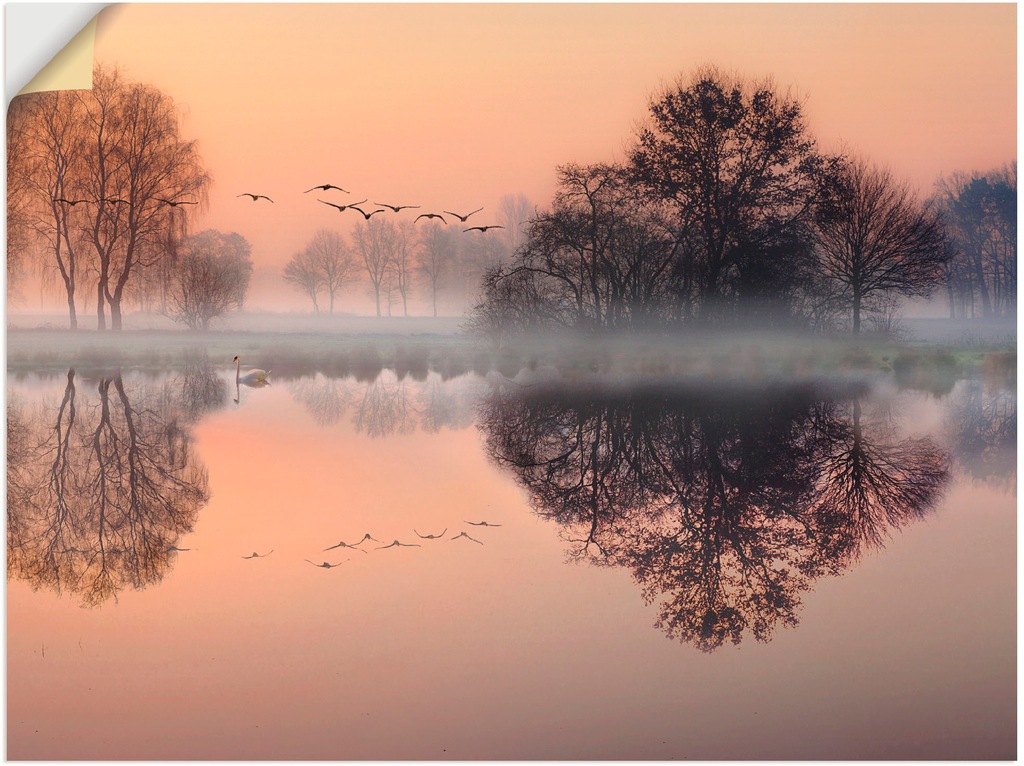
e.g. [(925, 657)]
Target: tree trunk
[(101, 319), (72, 314), (434, 293), (115, 314), (856, 311), (376, 295)]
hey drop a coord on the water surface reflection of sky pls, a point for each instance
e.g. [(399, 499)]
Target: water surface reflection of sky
[(516, 646)]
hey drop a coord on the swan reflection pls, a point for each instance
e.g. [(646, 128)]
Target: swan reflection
[(725, 509)]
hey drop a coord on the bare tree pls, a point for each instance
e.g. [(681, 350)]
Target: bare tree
[(515, 210), (331, 258), (47, 184), (302, 272), (735, 163), (21, 165), (436, 254), (979, 213), (401, 264), (875, 238), (138, 165), (212, 278), (375, 240)]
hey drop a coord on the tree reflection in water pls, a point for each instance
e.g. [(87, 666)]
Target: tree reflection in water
[(100, 488), (982, 423), (724, 509)]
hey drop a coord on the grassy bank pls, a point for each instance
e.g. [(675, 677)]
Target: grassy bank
[(746, 357)]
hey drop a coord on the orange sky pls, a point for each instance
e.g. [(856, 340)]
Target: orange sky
[(451, 106)]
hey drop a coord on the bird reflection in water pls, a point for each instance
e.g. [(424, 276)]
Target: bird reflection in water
[(431, 537), (326, 565), (463, 534)]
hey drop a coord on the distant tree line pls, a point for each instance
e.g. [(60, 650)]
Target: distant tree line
[(726, 211), (979, 212), (395, 260)]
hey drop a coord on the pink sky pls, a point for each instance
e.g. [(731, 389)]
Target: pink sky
[(452, 106)]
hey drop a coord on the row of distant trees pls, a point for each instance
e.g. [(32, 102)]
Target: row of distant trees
[(726, 211), (397, 259), (979, 213)]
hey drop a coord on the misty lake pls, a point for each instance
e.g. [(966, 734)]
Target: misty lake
[(820, 570)]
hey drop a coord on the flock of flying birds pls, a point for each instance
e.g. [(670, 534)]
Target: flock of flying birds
[(323, 187), (383, 206), (370, 538)]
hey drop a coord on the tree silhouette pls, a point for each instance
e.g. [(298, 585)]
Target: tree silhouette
[(724, 509), (303, 272), (211, 277), (875, 238), (982, 426), (104, 488), (374, 239), (979, 213), (735, 163), (137, 160), (46, 187), (437, 248)]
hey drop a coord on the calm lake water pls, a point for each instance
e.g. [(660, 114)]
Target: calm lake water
[(823, 572)]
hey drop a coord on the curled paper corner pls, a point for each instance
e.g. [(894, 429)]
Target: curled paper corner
[(72, 66)]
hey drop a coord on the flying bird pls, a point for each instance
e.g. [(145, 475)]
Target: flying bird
[(173, 203), (366, 215), (463, 217), (482, 228), (431, 537), (366, 537), (118, 200), (256, 555), (71, 202), (397, 208), (343, 544), (325, 565), (325, 187), (430, 215), (463, 534), (482, 524), (341, 208), (403, 545), (254, 196), (175, 548)]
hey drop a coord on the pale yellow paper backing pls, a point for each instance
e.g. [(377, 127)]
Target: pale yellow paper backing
[(71, 68)]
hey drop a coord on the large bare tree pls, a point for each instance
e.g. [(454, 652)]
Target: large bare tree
[(736, 164), (141, 177), (46, 190), (875, 238)]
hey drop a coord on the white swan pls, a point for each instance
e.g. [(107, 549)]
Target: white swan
[(252, 376)]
